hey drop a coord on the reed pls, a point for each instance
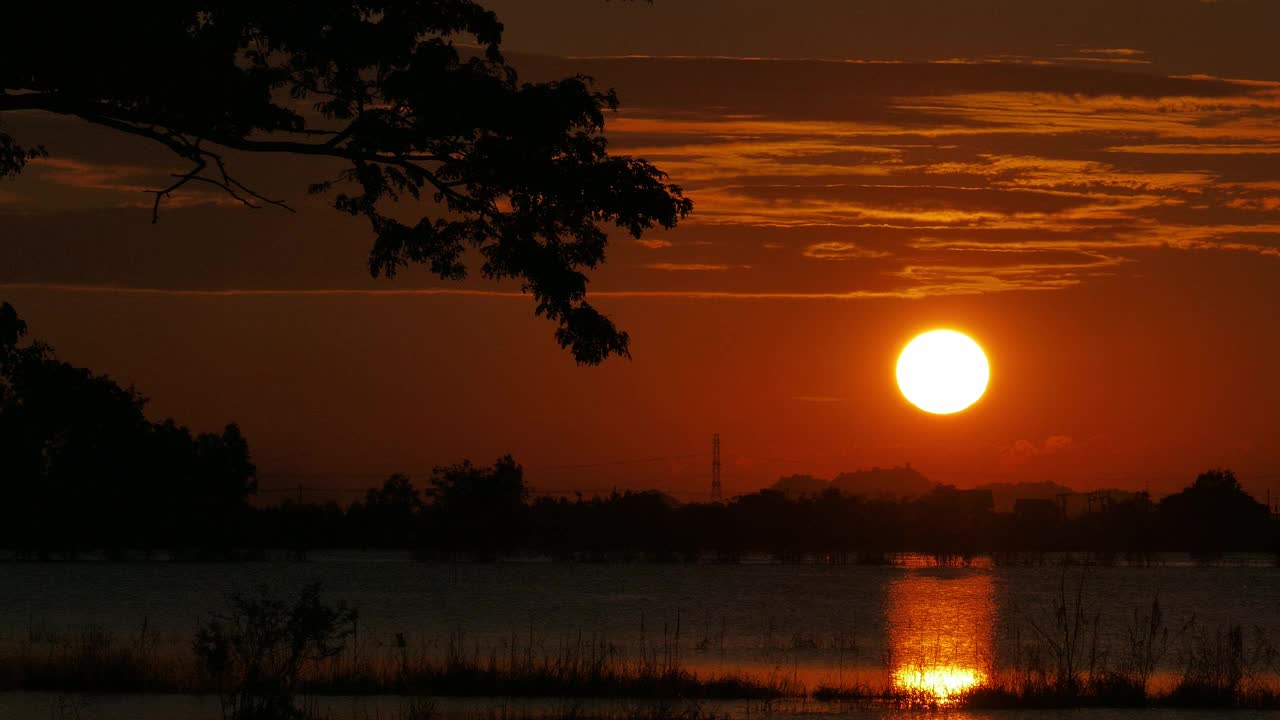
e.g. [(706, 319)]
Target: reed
[(1060, 660)]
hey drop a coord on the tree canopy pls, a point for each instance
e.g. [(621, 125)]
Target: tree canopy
[(81, 467), (518, 172), (1215, 513)]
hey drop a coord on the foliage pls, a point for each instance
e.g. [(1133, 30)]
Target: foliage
[(83, 468), (259, 650), (465, 488), (388, 516), (519, 172), (477, 509), (1215, 514)]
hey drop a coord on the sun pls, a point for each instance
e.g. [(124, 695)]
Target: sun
[(943, 371)]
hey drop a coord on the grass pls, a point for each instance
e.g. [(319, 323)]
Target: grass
[(100, 662), (1060, 661), (588, 668), (1218, 668), (95, 660)]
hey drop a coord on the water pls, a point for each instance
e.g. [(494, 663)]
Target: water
[(48, 706), (940, 627)]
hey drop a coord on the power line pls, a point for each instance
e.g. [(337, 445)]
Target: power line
[(306, 488), (608, 463)]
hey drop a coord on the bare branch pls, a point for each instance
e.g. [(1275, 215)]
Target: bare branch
[(183, 179)]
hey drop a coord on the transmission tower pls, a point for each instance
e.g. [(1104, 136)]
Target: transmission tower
[(715, 467)]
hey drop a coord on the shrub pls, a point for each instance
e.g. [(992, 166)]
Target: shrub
[(257, 651)]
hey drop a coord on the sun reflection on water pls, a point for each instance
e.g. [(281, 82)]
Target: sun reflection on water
[(940, 633), (939, 683)]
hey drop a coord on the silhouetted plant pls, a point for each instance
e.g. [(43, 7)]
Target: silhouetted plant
[(1212, 664), (1072, 638), (1148, 641), (519, 172), (258, 651)]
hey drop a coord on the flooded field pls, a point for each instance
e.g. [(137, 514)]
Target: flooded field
[(917, 626)]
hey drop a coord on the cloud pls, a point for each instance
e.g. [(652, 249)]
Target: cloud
[(1023, 451), (693, 267), (94, 176), (841, 250), (972, 279), (908, 293), (1112, 52), (1257, 148), (990, 174), (59, 183)]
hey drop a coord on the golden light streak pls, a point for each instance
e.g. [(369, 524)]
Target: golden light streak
[(942, 684)]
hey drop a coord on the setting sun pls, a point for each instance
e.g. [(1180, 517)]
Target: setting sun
[(942, 371)]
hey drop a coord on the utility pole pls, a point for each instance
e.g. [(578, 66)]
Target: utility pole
[(715, 468)]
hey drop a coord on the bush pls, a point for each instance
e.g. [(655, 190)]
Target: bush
[(258, 650)]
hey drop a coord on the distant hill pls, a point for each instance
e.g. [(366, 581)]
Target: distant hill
[(898, 482), (907, 482), (795, 486)]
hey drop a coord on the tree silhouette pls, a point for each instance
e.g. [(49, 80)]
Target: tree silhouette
[(1214, 514), (388, 516), (82, 468), (477, 508), (518, 171)]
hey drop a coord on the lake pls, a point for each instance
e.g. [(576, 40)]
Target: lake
[(942, 628)]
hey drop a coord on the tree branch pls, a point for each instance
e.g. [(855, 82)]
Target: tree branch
[(192, 174), (177, 141)]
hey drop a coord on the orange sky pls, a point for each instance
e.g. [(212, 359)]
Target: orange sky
[(1092, 190)]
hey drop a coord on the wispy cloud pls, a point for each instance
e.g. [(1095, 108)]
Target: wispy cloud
[(841, 250), (1080, 166), (955, 176), (1022, 451), (1112, 52), (693, 267), (653, 243), (1258, 148), (918, 292)]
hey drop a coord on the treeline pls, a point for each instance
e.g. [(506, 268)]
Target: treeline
[(82, 469), (483, 512)]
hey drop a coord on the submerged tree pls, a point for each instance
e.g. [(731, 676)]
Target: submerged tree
[(518, 171)]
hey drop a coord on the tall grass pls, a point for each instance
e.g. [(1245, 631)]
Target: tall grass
[(583, 666), (1059, 658), (96, 660)]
